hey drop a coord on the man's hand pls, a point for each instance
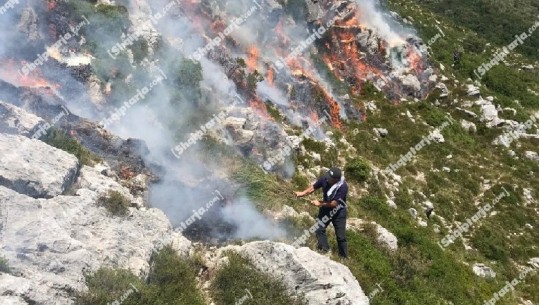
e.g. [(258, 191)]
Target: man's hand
[(316, 203), (306, 192)]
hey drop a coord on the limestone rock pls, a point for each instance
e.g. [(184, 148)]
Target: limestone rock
[(385, 238), (236, 127), (380, 132), (483, 271), (532, 155), (304, 271), (34, 168), (468, 126), (15, 120), (472, 90), (50, 243)]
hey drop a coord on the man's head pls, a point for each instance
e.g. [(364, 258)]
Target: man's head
[(334, 175)]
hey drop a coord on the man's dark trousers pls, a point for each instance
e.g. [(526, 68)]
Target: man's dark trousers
[(339, 224)]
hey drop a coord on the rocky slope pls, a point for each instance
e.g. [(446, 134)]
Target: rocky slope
[(54, 231)]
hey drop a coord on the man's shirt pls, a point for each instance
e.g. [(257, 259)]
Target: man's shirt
[(339, 195)]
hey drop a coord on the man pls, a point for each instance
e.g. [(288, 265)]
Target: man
[(332, 208)]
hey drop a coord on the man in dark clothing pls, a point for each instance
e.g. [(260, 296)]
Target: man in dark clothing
[(332, 208)]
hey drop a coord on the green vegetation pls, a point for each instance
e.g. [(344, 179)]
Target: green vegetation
[(273, 111), (115, 203), (107, 285), (494, 20), (172, 280), (253, 286), (357, 170), (188, 78), (4, 267), (61, 140)]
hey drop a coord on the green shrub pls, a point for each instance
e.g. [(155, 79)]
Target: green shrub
[(375, 205), (115, 203), (239, 279), (63, 141), (491, 243), (4, 267), (108, 285), (357, 170), (172, 280)]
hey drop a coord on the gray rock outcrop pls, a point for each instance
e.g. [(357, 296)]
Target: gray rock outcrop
[(483, 271), (304, 271), (50, 243), (34, 168)]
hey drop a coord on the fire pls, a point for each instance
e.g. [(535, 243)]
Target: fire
[(350, 61), (259, 108), (314, 116), (270, 76), (281, 36), (414, 59), (8, 73), (252, 57), (334, 111), (51, 4)]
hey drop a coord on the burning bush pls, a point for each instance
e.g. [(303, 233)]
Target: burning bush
[(115, 203)]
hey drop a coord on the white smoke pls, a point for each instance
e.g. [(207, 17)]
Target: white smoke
[(371, 15), (267, 92)]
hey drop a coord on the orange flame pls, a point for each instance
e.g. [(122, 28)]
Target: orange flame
[(314, 116), (259, 108), (414, 59), (270, 76), (51, 4), (252, 57), (334, 111), (8, 73)]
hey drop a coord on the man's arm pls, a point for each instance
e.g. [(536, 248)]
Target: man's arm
[(330, 204), (306, 192), (339, 197)]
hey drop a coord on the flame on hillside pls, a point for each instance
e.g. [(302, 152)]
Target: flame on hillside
[(35, 79)]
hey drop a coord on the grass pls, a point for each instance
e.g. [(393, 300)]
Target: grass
[(115, 203), (172, 280), (253, 286), (61, 140), (4, 267)]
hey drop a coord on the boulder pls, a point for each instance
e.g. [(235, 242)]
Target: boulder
[(92, 178), (468, 126), (437, 136), (303, 271), (443, 88), (483, 271), (531, 155), (380, 132), (34, 168), (410, 81), (384, 238), (51, 243), (314, 10), (472, 90), (236, 127), (15, 120)]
